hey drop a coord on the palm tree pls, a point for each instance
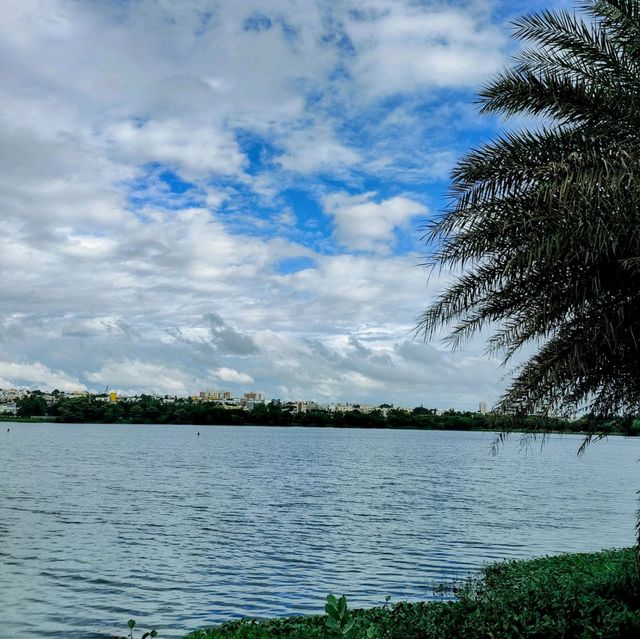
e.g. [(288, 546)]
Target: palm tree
[(543, 229)]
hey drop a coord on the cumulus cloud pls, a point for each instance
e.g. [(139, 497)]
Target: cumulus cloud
[(313, 149), (403, 47), (404, 372), (195, 151), (232, 376), (362, 224), (36, 375), (135, 376), (165, 164)]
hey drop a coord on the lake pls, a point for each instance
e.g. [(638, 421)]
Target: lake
[(100, 523)]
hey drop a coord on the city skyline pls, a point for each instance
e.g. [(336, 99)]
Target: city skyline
[(247, 399)]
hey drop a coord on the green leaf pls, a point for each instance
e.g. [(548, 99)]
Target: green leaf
[(154, 633), (373, 632), (131, 623), (333, 624)]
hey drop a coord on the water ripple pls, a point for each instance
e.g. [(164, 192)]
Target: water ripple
[(102, 523)]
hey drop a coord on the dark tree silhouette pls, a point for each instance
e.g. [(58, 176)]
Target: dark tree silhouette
[(543, 229)]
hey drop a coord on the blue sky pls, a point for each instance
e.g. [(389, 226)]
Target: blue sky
[(229, 195)]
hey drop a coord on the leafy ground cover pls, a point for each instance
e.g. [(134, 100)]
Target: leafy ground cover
[(580, 596)]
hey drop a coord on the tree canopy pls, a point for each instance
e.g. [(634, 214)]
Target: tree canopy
[(542, 233)]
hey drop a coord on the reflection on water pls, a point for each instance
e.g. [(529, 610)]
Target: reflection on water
[(102, 523)]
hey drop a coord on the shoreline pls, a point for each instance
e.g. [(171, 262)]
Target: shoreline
[(513, 431), (557, 597), (152, 410)]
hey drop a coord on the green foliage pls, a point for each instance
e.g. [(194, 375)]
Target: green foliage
[(131, 624), (32, 405), (544, 225), (580, 596), (185, 411), (339, 620)]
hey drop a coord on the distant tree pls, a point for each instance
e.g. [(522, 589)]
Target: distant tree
[(421, 410), (136, 414), (544, 226), (32, 405), (112, 413)]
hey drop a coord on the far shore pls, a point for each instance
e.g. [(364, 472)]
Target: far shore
[(517, 431), (147, 409)]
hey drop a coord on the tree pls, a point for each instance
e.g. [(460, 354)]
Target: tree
[(543, 229), (32, 405)]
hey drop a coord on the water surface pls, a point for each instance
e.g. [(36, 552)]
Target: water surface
[(102, 523)]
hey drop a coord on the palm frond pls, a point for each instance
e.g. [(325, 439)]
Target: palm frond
[(543, 226)]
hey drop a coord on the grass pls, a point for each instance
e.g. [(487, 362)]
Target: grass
[(581, 596)]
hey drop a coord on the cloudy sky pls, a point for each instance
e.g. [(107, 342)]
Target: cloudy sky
[(228, 194)]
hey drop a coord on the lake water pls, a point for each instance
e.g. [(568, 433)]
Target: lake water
[(102, 523)]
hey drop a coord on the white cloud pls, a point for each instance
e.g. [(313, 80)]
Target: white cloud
[(403, 47), (404, 372), (36, 375), (314, 149), (109, 278), (132, 375), (286, 217), (24, 22), (196, 151), (232, 376), (362, 224)]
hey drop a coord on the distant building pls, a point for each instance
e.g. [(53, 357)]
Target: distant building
[(367, 408), (11, 394), (113, 396), (214, 395), (483, 408), (340, 407), (250, 400)]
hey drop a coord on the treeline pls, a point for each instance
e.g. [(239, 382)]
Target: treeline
[(150, 410)]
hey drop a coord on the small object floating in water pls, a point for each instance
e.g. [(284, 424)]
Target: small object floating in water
[(8, 429), (198, 433)]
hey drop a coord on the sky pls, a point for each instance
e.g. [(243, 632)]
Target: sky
[(230, 194)]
